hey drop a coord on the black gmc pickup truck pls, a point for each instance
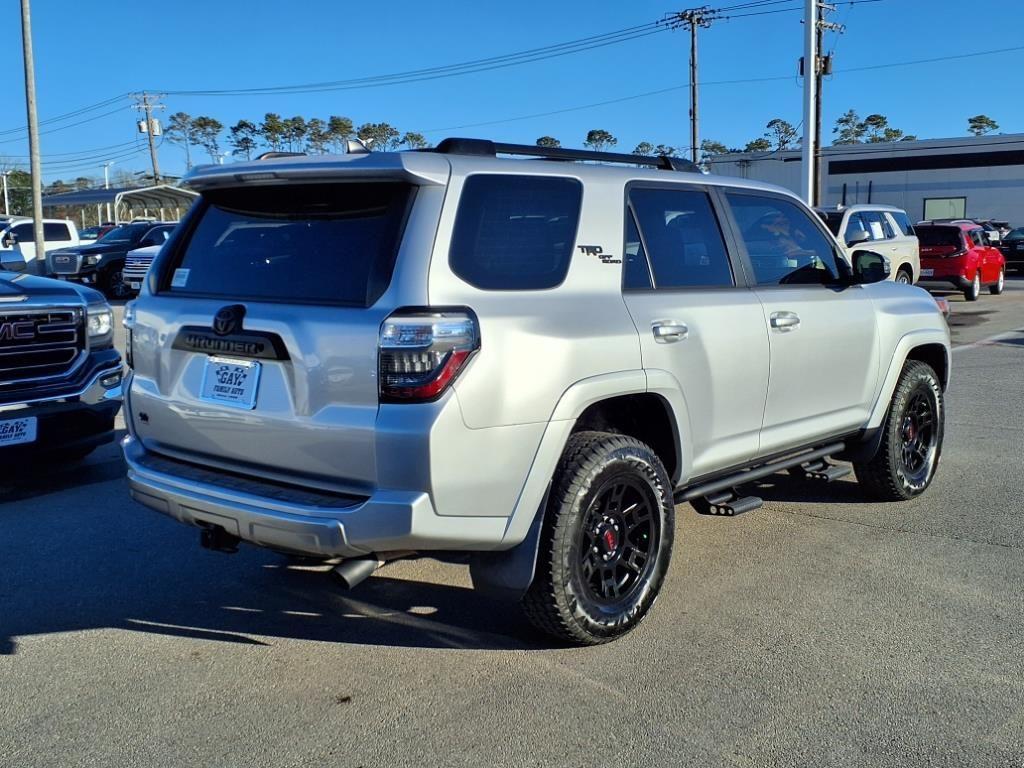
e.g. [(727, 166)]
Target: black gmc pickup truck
[(60, 376)]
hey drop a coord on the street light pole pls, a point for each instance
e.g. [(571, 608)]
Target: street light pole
[(106, 182), (7, 200), (33, 129)]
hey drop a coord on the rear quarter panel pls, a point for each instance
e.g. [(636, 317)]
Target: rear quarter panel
[(536, 344)]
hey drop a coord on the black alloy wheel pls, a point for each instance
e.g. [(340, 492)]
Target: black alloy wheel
[(114, 286), (919, 443), (618, 537)]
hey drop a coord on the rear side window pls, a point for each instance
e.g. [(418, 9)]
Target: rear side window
[(903, 221), (878, 225), (784, 244), (683, 241), (55, 232), (308, 243), (515, 233)]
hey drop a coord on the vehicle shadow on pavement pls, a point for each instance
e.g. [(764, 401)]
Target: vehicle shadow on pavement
[(45, 477), (787, 488), (123, 567)]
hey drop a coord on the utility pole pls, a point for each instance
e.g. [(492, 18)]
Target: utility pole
[(33, 129), (146, 103), (692, 19), (824, 68), (809, 142), (7, 200)]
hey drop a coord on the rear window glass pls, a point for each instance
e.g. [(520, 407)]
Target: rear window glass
[(935, 236), (309, 243), (515, 232), (56, 233)]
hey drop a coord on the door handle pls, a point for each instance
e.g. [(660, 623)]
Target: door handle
[(669, 331), (784, 322)]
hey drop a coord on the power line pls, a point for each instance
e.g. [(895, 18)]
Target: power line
[(90, 165), (69, 125), (450, 70), (68, 115), (82, 152), (741, 81)]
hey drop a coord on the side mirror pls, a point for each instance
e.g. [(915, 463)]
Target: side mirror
[(12, 261), (856, 236), (870, 267)]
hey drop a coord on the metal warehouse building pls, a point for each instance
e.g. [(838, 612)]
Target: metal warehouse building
[(976, 177)]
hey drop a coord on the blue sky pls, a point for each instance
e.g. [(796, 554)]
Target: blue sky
[(87, 53)]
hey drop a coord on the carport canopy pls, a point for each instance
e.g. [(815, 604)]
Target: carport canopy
[(164, 201)]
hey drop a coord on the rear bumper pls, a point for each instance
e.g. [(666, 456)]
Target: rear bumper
[(297, 520), (959, 282)]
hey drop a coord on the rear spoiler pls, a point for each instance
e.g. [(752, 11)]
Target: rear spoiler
[(418, 168)]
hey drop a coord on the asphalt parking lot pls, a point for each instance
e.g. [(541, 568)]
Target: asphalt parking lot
[(817, 631)]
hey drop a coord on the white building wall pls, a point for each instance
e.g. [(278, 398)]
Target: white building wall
[(991, 190)]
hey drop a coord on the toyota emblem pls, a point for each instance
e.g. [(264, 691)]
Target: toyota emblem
[(228, 320)]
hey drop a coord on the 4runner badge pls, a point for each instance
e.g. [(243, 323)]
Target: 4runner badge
[(597, 250), (228, 320)]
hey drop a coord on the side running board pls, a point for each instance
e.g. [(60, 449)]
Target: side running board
[(720, 498)]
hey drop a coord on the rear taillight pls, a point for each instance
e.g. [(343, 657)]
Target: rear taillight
[(422, 351), (128, 321)]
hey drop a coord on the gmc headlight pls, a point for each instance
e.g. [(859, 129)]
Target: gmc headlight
[(92, 260), (101, 326)]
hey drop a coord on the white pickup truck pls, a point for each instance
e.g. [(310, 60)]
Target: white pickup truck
[(17, 239)]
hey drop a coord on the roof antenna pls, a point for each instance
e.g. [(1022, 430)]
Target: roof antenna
[(356, 147)]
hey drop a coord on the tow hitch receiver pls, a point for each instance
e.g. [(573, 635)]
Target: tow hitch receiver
[(216, 538)]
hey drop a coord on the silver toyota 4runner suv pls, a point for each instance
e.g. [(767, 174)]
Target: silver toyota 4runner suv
[(527, 360)]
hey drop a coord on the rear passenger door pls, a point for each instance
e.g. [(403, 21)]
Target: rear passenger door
[(700, 324), (823, 335)]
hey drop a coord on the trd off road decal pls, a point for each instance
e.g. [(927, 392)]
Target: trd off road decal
[(597, 250)]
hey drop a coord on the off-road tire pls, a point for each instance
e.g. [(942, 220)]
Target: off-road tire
[(561, 601), (887, 476)]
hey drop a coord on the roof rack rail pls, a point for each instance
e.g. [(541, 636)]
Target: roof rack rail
[(487, 148), (272, 155)]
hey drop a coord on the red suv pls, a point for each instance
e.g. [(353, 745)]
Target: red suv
[(958, 253)]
